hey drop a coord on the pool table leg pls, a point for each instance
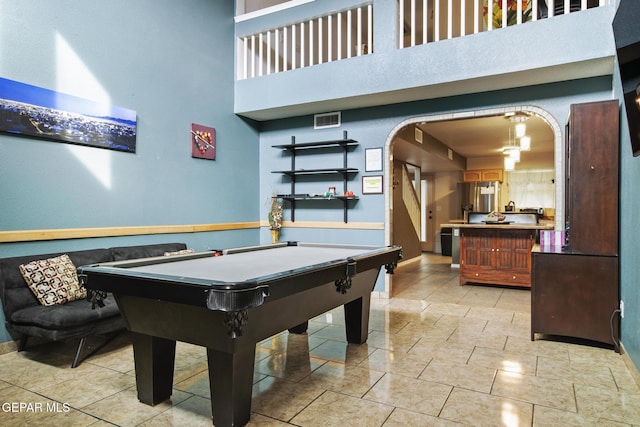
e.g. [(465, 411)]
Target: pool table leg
[(231, 384), (154, 361), (356, 315)]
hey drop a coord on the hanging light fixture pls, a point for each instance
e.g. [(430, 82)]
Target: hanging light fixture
[(525, 143), (521, 130), (514, 153), (509, 164)]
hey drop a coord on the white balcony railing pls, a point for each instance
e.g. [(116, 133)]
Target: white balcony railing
[(349, 33), (425, 21), (332, 37)]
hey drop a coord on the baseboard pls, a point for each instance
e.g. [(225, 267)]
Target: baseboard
[(8, 347), (630, 365)]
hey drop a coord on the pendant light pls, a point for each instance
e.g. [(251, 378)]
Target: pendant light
[(509, 164)]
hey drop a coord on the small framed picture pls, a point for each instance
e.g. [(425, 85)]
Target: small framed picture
[(203, 142), (373, 160), (372, 184)]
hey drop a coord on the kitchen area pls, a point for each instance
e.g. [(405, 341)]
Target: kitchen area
[(493, 235)]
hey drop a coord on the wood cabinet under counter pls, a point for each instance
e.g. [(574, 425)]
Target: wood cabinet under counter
[(497, 254)]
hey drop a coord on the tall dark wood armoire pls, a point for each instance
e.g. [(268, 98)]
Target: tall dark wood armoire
[(575, 291)]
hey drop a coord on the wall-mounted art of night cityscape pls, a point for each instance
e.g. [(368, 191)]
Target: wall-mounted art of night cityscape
[(42, 113)]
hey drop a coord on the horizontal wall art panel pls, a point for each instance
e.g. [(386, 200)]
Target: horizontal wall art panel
[(32, 111)]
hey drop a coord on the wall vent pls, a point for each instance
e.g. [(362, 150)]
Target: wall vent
[(418, 135), (326, 120)]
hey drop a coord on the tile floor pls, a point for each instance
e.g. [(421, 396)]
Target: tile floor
[(438, 355)]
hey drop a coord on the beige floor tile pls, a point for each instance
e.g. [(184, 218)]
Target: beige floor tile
[(343, 352), (443, 350), (389, 322), (81, 392), (624, 380), (404, 418), (396, 363), (340, 378), (597, 403), (334, 409), (476, 378), (393, 342), (192, 412), (281, 399), (290, 366), (554, 393), (545, 417), (448, 308), (20, 407), (41, 370), (577, 372), (549, 349), (485, 339), (331, 332), (199, 384), (480, 409), (523, 319), (510, 329), (504, 360), (428, 328), (490, 313), (130, 411), (480, 296), (409, 393)]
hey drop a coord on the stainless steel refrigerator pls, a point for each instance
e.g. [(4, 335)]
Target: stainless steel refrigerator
[(479, 196)]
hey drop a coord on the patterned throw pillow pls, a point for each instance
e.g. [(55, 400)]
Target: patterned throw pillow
[(53, 281)]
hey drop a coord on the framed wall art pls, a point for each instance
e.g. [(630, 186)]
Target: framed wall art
[(373, 160), (372, 184), (203, 142), (35, 112)]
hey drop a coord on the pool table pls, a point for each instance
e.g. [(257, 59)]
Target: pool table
[(228, 301)]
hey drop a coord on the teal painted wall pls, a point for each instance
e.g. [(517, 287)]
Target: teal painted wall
[(171, 62), (371, 127)]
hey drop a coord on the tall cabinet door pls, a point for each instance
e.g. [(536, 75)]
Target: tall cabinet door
[(592, 178)]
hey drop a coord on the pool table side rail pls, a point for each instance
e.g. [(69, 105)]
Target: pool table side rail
[(115, 278)]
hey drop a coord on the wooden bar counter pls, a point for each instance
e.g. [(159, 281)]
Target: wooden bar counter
[(498, 254)]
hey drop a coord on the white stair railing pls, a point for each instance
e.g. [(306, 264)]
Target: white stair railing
[(411, 199)]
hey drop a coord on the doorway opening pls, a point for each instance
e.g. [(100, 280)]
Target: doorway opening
[(441, 163)]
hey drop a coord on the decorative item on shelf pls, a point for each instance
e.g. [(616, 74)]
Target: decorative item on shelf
[(495, 217), (497, 12), (275, 217)]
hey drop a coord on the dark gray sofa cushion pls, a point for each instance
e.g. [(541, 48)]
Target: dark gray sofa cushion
[(144, 251)]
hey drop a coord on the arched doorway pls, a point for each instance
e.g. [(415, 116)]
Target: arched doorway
[(553, 130)]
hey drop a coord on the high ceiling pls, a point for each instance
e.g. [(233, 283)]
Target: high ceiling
[(479, 140)]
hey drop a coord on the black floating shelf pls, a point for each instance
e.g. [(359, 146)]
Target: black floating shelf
[(324, 144), (317, 171), (313, 197)]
